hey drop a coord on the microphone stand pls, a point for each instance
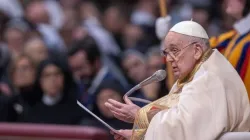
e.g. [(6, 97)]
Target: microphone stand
[(134, 98)]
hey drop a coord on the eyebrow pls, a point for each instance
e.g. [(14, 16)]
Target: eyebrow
[(172, 45)]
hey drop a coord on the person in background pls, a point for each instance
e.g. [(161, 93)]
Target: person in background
[(132, 34), (22, 75), (201, 14), (135, 67), (91, 20), (154, 63), (108, 90), (37, 14), (4, 63), (235, 44), (154, 60), (15, 36), (36, 49), (114, 20), (57, 88), (71, 29), (88, 69)]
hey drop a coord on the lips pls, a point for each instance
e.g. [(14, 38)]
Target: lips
[(175, 69)]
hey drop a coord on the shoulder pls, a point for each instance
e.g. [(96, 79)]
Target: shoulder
[(204, 82), (215, 41)]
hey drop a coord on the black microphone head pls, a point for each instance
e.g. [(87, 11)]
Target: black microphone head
[(160, 75)]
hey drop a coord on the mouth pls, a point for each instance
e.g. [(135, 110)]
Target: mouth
[(175, 69)]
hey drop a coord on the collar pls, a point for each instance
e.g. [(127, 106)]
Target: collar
[(48, 100), (98, 79), (242, 26)]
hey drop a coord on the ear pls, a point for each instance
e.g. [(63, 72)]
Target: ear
[(198, 51)]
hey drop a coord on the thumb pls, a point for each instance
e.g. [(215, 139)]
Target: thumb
[(127, 100)]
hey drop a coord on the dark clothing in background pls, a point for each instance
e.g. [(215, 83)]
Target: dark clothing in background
[(61, 113), (19, 104), (114, 122), (88, 98), (65, 111), (3, 108)]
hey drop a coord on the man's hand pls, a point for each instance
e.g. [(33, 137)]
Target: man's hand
[(123, 134), (162, 26), (125, 112)]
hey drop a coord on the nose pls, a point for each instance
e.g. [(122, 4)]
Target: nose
[(169, 58)]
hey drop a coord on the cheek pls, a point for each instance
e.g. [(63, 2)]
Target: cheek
[(60, 82), (45, 84), (234, 6), (184, 64)]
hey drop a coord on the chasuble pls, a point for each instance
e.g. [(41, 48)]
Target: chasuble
[(211, 100)]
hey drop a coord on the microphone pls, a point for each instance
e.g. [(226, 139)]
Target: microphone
[(156, 77)]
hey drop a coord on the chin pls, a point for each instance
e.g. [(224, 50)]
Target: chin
[(176, 75)]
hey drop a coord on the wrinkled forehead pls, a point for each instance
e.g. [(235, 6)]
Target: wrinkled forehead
[(173, 39)]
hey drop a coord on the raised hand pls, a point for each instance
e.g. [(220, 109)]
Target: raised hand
[(122, 134), (125, 112)]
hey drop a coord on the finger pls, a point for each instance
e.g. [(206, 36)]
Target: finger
[(111, 132), (114, 109), (110, 106), (115, 103), (120, 116), (127, 100), (117, 136), (121, 138)]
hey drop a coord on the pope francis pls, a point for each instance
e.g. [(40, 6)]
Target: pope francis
[(208, 99)]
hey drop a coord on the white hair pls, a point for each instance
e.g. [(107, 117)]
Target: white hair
[(202, 41)]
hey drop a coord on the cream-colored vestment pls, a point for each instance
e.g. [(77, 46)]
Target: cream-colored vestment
[(213, 102)]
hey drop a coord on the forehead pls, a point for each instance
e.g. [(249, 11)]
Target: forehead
[(173, 40)]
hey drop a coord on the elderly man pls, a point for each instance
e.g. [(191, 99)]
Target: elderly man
[(234, 44), (208, 99)]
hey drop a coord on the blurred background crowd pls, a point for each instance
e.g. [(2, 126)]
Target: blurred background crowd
[(53, 52)]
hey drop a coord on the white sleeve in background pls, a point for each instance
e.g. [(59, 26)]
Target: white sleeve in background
[(104, 39), (55, 13), (12, 8)]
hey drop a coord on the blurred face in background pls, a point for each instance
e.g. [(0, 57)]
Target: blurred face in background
[(15, 39), (88, 10), (24, 73), (135, 67), (82, 69), (36, 49), (70, 30), (131, 35), (201, 16), (37, 13), (113, 20), (103, 97), (52, 80), (155, 63), (235, 8)]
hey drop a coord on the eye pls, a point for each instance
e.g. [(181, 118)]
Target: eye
[(174, 50)]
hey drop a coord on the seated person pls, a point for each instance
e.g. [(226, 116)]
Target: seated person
[(108, 90), (57, 104)]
